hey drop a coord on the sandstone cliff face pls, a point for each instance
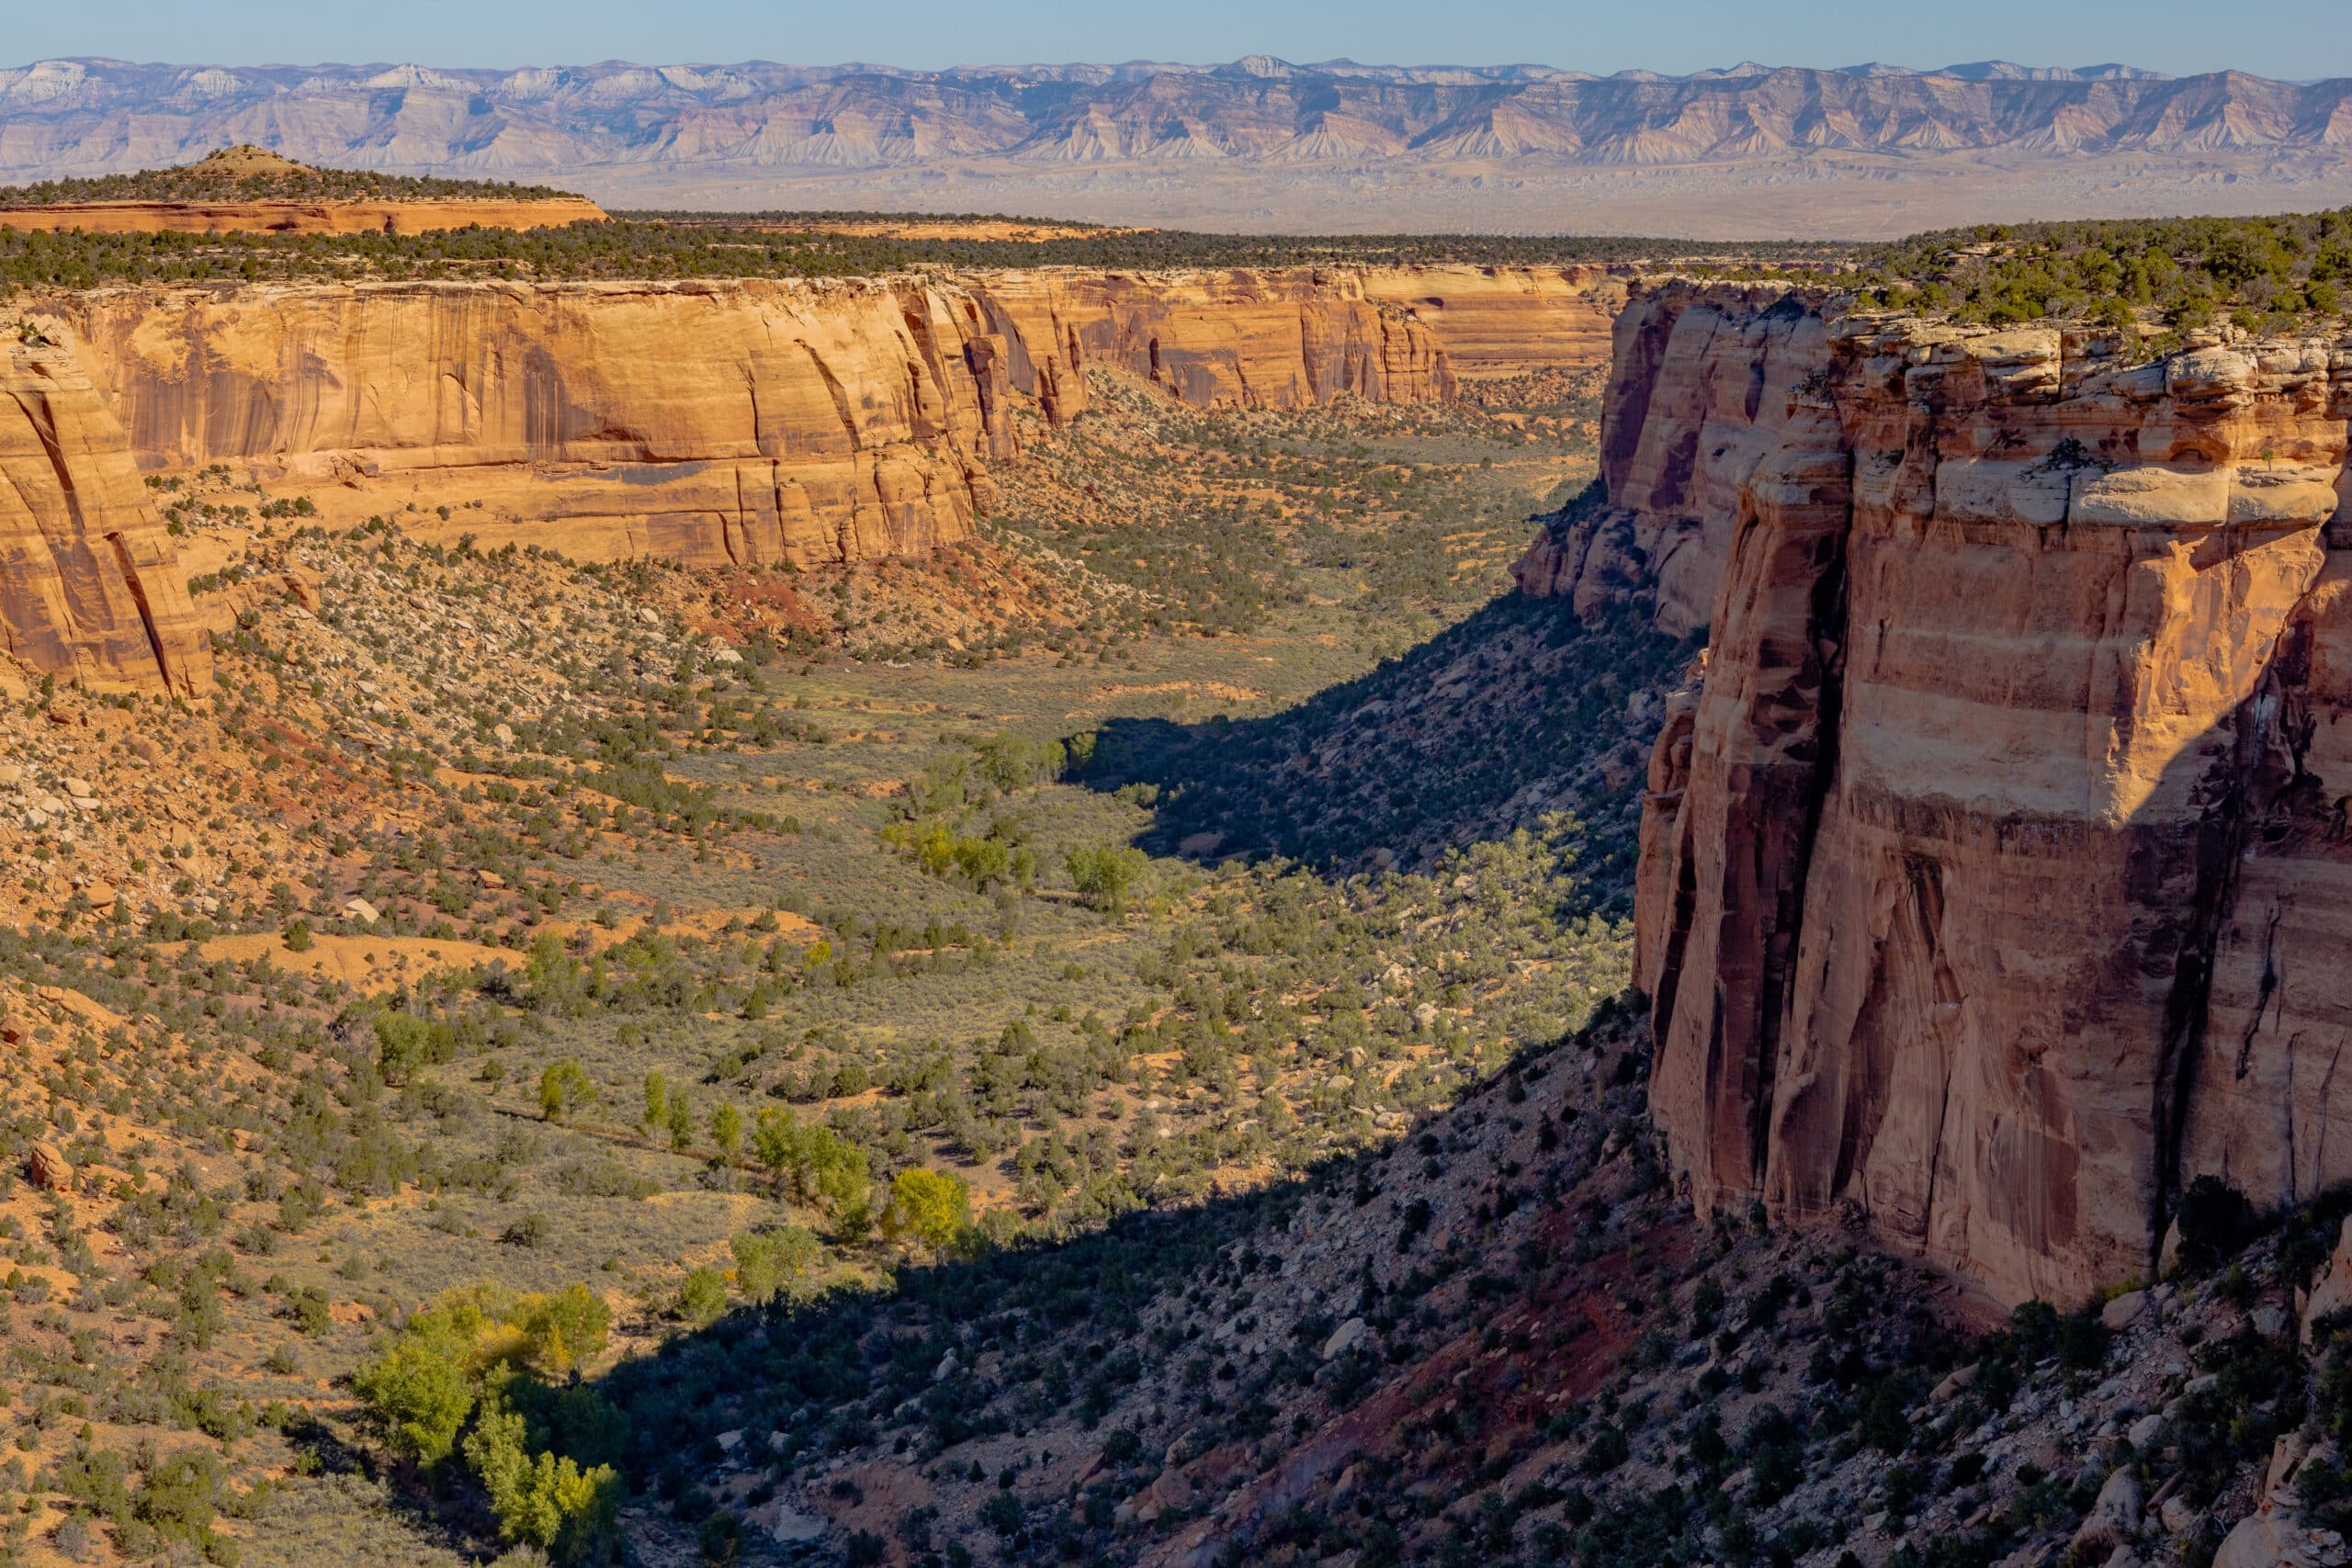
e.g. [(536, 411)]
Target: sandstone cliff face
[(90, 587), (1496, 321), (1993, 879), (728, 421), (1288, 338), (739, 422), (297, 217)]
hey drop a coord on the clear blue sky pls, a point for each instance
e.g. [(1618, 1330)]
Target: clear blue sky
[(2295, 38)]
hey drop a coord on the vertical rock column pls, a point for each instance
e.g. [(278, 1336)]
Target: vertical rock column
[(1761, 747)]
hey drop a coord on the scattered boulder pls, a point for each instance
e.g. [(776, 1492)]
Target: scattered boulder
[(2276, 1535), (788, 1526), (46, 1168), (2278, 1539), (2113, 1518), (2123, 1311), (1170, 1489), (1345, 1338), (1959, 1380)]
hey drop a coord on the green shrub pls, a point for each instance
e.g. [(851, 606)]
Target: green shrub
[(417, 1397), (702, 1295), (2216, 1223)]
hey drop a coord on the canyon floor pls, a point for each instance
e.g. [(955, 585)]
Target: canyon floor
[(714, 852)]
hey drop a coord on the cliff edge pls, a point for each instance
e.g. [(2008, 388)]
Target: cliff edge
[(1994, 876)]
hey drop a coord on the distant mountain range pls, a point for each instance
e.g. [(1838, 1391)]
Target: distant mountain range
[(1110, 135)]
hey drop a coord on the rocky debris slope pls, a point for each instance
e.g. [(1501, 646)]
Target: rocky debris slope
[(1990, 879), (1505, 1339)]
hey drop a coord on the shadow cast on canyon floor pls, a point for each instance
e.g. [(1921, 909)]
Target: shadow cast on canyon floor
[(834, 1373), (1519, 711)]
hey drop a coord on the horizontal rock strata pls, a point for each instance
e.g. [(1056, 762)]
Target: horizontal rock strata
[(743, 422), (1992, 880)]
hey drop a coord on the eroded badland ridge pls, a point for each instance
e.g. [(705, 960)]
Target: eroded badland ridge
[(1258, 143), (997, 914)]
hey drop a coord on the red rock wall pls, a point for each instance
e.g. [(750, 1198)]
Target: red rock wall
[(1496, 321), (712, 422), (734, 422), (1991, 881)]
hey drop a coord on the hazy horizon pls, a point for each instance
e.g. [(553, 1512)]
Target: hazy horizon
[(1986, 65), (2287, 40)]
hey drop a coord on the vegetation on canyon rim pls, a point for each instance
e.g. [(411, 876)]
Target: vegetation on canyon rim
[(2165, 275), (2262, 275), (661, 249)]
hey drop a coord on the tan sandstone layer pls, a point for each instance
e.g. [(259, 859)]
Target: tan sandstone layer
[(1993, 883), (728, 421), (1498, 321), (297, 217), (753, 421), (89, 586)]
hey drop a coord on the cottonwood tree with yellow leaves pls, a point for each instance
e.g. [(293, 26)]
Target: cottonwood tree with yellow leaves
[(458, 1379)]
